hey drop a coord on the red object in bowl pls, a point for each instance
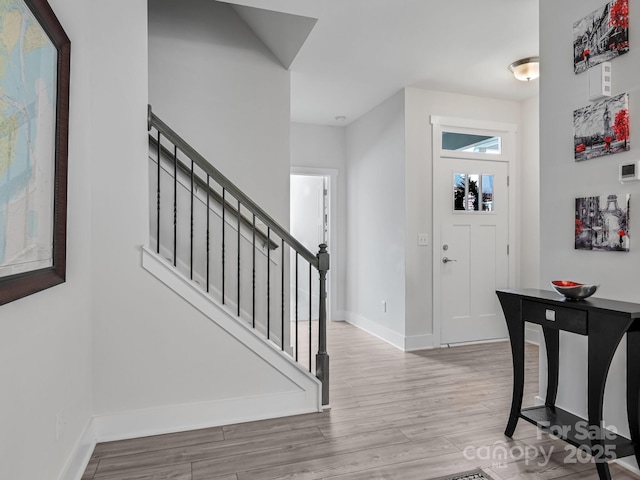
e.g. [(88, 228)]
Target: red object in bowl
[(566, 283), (573, 290)]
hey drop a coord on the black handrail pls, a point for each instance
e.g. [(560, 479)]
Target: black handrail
[(229, 186), (202, 184)]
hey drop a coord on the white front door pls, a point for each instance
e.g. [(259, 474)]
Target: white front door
[(473, 224), (473, 249)]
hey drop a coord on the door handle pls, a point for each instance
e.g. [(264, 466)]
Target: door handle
[(447, 260)]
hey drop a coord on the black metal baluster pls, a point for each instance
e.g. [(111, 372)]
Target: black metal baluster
[(296, 306), (224, 202), (310, 309), (175, 205), (239, 205), (158, 199), (282, 293), (191, 229), (208, 231), (253, 280), (268, 282)]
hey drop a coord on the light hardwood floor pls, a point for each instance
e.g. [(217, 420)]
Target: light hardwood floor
[(394, 415)]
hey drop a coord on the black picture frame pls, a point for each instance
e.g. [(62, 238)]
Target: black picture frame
[(19, 285)]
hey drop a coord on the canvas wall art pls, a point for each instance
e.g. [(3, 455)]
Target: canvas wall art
[(601, 36), (601, 128), (602, 223)]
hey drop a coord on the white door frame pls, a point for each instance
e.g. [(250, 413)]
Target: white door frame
[(508, 154), (332, 280)]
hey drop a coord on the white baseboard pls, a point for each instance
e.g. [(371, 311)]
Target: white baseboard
[(375, 329), (475, 342), (339, 316), (418, 342), (180, 418), (79, 459), (406, 344)]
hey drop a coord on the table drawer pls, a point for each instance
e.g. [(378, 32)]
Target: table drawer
[(553, 316)]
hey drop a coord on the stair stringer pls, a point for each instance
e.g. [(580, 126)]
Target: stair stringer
[(221, 316)]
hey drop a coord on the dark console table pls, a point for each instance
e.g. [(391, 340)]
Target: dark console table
[(604, 322)]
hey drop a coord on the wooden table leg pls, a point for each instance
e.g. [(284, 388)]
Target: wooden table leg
[(605, 334), (633, 389), (513, 314), (603, 470), (552, 343)]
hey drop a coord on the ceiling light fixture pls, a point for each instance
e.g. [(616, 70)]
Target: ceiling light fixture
[(526, 69)]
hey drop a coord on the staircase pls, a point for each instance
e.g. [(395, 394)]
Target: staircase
[(212, 243)]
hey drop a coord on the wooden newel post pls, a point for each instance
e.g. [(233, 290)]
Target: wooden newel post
[(322, 358)]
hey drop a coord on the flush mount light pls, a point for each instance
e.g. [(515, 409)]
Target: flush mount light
[(526, 69)]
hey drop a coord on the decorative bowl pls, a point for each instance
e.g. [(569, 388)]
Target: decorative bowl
[(573, 290)]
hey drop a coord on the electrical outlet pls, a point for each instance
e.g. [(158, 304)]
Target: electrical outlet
[(423, 239)]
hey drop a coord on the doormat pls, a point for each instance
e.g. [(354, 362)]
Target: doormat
[(472, 475)]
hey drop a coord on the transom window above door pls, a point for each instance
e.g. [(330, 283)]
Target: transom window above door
[(473, 192), (464, 142)]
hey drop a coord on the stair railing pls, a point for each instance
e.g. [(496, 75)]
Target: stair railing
[(223, 226)]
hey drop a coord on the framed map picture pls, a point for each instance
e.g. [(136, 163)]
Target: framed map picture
[(34, 112)]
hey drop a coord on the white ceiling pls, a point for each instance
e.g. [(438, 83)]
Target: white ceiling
[(360, 52)]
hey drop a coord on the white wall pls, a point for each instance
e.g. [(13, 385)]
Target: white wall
[(375, 220), (45, 339), (562, 180), (420, 105), (529, 195), (318, 146), (528, 219), (214, 82)]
